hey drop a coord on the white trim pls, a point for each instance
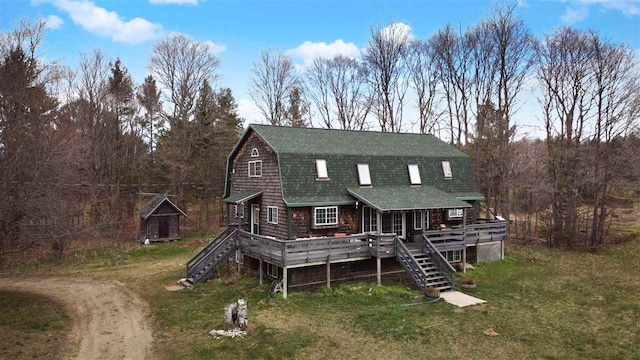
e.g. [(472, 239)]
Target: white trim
[(256, 162), (414, 174), (364, 175), (417, 213), (373, 217), (427, 220), (272, 211), (255, 221), (321, 169), (326, 209), (255, 152)]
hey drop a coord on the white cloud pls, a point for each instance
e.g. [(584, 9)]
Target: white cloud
[(579, 9), (214, 48), (309, 51), (523, 3), (102, 22), (54, 22), (398, 29), (248, 110), (574, 15), (176, 2)]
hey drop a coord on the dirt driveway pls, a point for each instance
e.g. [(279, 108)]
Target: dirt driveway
[(109, 322)]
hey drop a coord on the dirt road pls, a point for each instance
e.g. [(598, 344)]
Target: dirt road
[(109, 322)]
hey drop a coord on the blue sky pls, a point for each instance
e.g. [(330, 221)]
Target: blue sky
[(239, 29)]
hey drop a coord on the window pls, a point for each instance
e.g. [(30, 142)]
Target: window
[(363, 174), (369, 219), (417, 219), (392, 223), (427, 220), (453, 256), (446, 170), (321, 167), (254, 152), (327, 215), (272, 271), (235, 210), (456, 213), (255, 168), (414, 174), (272, 214)]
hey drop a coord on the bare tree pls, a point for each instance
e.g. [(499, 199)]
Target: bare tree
[(181, 64), (337, 87), (152, 124), (424, 79), (387, 75), (271, 84), (565, 75)]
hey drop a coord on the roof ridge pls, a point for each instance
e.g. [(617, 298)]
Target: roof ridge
[(342, 130)]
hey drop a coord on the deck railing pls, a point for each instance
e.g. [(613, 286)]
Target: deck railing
[(447, 240), (488, 232), (198, 262)]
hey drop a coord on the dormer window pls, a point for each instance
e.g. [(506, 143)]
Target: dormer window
[(414, 175), (321, 168), (254, 152), (446, 170), (363, 175)]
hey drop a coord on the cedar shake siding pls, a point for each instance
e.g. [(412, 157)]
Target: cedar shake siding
[(268, 183), (302, 222)]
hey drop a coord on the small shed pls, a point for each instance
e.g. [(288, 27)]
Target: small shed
[(160, 220)]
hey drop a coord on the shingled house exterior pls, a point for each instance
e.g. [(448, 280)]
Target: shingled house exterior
[(314, 205)]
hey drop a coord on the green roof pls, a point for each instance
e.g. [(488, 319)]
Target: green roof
[(242, 196), (387, 154), (385, 198)]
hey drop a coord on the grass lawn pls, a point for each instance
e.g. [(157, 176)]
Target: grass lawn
[(544, 304), (31, 326)]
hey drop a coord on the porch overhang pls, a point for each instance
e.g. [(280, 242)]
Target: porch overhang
[(388, 198), (242, 196)]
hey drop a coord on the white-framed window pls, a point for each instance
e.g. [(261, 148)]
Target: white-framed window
[(272, 271), (321, 168), (446, 170), (255, 168), (414, 174), (235, 210), (272, 214), (456, 213), (369, 219), (255, 152), (453, 256), (427, 220), (326, 215), (392, 223), (363, 174), (418, 219)]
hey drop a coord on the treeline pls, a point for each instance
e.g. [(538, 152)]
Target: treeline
[(468, 86), (78, 146)]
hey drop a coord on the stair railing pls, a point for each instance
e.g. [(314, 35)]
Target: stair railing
[(411, 265), (198, 261), (439, 261)]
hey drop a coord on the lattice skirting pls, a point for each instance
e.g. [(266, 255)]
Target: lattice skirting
[(489, 252)]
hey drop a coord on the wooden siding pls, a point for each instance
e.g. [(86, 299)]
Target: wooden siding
[(268, 183), (302, 222), (149, 229)]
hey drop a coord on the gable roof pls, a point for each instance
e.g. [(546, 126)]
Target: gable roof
[(155, 202), (387, 154)]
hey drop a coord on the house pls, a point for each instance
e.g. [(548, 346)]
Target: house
[(313, 205), (160, 220)]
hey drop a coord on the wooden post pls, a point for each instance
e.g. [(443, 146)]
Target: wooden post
[(464, 260), (260, 270), (284, 282), (378, 270), (329, 272), (239, 255)]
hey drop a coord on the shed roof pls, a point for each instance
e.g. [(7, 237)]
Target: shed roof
[(155, 202), (387, 198)]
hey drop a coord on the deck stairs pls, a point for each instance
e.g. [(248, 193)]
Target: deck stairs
[(201, 267), (422, 268)]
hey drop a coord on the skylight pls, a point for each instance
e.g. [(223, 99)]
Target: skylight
[(363, 174), (446, 170), (321, 167), (414, 175)]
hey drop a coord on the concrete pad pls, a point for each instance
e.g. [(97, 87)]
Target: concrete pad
[(460, 299)]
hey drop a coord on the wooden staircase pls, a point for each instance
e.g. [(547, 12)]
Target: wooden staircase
[(424, 269), (200, 267)]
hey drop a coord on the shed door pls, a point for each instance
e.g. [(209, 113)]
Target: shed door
[(255, 219), (163, 227)]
